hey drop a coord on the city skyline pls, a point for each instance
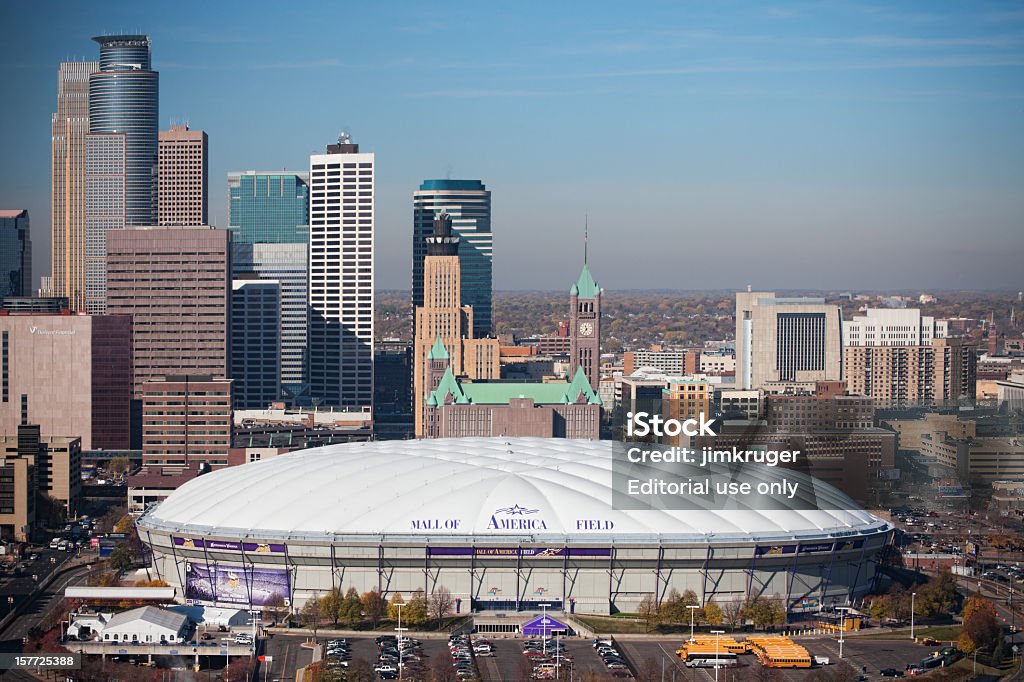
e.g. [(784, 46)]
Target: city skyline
[(748, 129)]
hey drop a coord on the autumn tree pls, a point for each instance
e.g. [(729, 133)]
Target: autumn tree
[(374, 606), (331, 603), (648, 611), (712, 613), (118, 466), (393, 603), (312, 614), (275, 607), (981, 625), (441, 603)]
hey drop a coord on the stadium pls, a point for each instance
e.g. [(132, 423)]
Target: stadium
[(505, 524)]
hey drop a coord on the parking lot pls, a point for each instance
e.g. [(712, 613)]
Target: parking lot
[(648, 656), (509, 662)]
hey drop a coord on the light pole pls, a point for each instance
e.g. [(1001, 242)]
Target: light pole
[(693, 608), (399, 630), (544, 627), (912, 595), (842, 626), (716, 633)]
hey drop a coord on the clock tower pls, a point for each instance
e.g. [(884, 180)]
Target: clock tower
[(585, 328)]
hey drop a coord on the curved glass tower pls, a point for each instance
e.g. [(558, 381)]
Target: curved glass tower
[(124, 99)]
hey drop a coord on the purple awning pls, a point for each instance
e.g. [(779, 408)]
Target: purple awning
[(543, 626)]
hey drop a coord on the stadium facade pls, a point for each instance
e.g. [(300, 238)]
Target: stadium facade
[(502, 523)]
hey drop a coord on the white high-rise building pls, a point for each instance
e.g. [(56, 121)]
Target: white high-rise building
[(892, 327), (341, 221)]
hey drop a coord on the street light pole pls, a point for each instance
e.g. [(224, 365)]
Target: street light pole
[(692, 608), (912, 595), (399, 630), (842, 626), (716, 633), (544, 627)]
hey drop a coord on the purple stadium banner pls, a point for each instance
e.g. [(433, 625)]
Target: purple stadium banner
[(224, 545), (816, 547), (233, 584), (526, 552), (774, 550)]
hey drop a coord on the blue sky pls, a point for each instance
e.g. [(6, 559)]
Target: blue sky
[(789, 145)]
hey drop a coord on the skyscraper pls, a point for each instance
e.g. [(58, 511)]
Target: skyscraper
[(121, 151), (341, 235), (182, 180), (175, 282), (468, 203), (15, 253), (68, 127), (269, 222), (255, 343), (786, 340)]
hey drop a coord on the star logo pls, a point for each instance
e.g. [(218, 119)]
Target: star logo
[(516, 510)]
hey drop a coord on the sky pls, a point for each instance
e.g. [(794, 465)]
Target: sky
[(790, 145)]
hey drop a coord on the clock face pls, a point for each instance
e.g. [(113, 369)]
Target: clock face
[(586, 329)]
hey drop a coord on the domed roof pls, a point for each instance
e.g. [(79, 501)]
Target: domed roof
[(498, 488)]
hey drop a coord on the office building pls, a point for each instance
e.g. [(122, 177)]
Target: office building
[(186, 420), (176, 284), (69, 126), (892, 327), (443, 324), (35, 304), (786, 340), (255, 342), (121, 151), (468, 204), (15, 253), (944, 370), (57, 461), (270, 207), (341, 235), (685, 398), (69, 374), (678, 362), (747, 404), (17, 495), (269, 222), (182, 176), (819, 411)]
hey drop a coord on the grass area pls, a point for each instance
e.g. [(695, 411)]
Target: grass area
[(612, 624), (967, 664)]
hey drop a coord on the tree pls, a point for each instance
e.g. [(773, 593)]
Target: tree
[(648, 611), (312, 613), (396, 599), (981, 625), (416, 611), (881, 607), (937, 597), (374, 606), (122, 558), (713, 614), (275, 607), (332, 604), (102, 579), (351, 611), (669, 611), (118, 466), (441, 670), (765, 612), (125, 524), (360, 670), (441, 603), (733, 612)]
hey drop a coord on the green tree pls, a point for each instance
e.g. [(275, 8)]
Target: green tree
[(332, 604), (396, 599), (374, 606), (764, 612), (122, 558), (937, 597), (351, 611), (416, 612)]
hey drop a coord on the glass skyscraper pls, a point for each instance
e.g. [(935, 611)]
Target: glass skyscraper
[(269, 208), (15, 254), (468, 202), (120, 152), (124, 98), (269, 219)]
